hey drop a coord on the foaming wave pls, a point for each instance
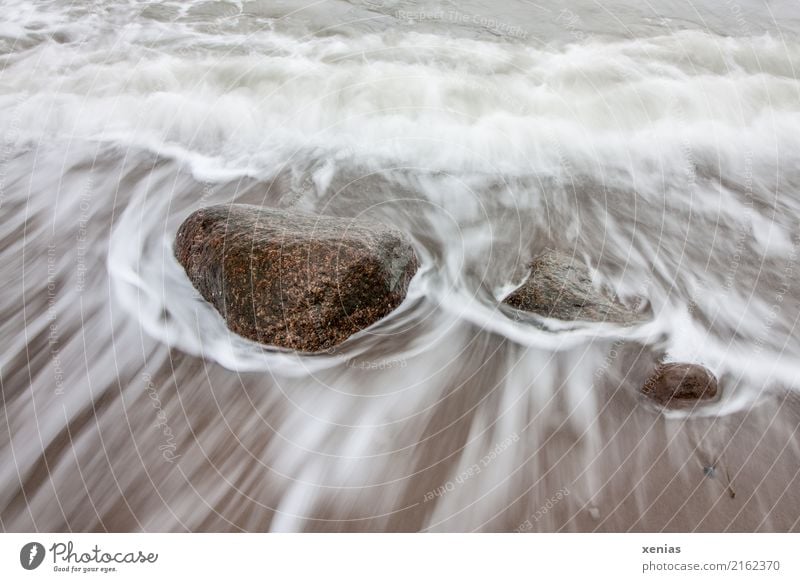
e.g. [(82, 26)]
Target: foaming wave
[(667, 165), (507, 109)]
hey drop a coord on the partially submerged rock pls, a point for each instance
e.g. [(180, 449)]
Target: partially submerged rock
[(294, 280), (560, 286), (678, 385)]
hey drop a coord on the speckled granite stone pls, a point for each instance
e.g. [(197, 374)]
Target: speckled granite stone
[(678, 385), (560, 286), (294, 280)]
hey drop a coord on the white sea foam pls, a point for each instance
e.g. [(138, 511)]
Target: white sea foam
[(667, 163), (644, 117)]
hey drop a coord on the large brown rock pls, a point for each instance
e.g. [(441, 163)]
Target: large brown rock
[(294, 280), (679, 385), (560, 286)]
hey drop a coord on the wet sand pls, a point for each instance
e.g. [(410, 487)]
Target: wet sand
[(106, 429)]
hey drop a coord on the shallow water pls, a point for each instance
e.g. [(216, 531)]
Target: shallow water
[(659, 146)]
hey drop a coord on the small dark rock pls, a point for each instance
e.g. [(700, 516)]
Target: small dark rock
[(680, 385), (560, 286), (294, 280)]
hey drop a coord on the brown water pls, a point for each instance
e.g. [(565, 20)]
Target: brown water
[(659, 147)]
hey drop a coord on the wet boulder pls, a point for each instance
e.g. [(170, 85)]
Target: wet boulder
[(560, 286), (294, 280), (680, 385)]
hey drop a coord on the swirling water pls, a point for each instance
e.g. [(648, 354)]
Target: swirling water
[(660, 147)]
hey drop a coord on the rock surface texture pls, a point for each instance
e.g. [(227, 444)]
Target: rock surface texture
[(679, 385), (294, 280), (560, 286)]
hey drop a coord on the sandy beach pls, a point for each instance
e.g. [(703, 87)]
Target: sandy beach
[(661, 153)]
